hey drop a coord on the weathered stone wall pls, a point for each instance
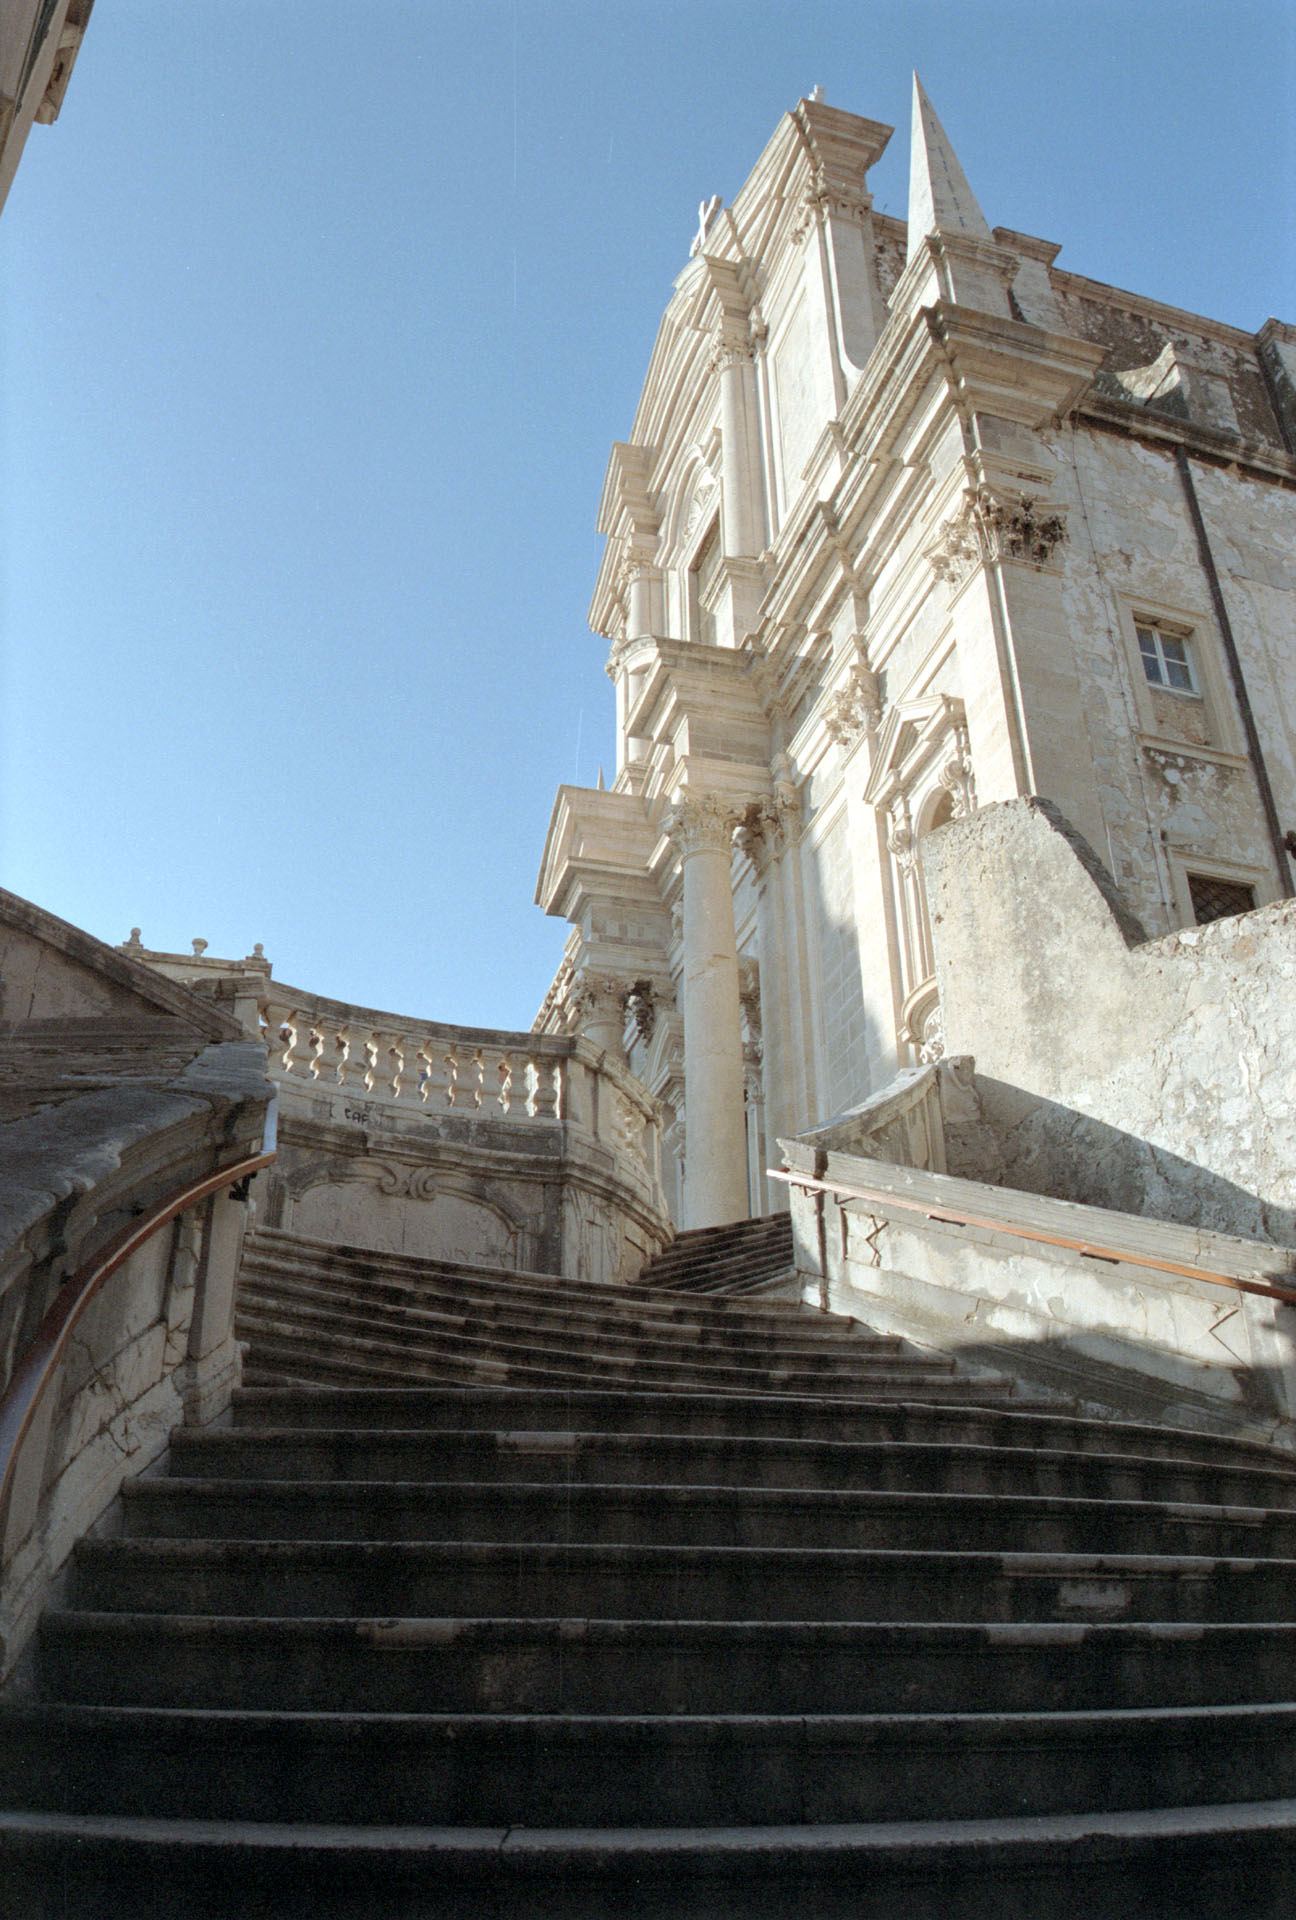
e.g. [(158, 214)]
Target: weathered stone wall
[(1008, 1282), (1153, 1076)]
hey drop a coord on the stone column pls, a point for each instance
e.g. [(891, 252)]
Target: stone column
[(715, 1179)]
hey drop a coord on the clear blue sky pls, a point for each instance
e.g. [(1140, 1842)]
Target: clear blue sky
[(318, 324)]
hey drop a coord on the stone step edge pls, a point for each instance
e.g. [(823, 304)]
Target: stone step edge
[(449, 1631), (363, 1357), (672, 1493), (274, 1244), (668, 1313), (714, 1400), (518, 1443), (994, 1561), (264, 1324), (453, 1318), (1026, 1836), (971, 1728)]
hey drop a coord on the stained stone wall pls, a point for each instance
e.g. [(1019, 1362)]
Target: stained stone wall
[(1152, 1076)]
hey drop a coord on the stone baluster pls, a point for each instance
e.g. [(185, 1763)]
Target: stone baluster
[(546, 1101)]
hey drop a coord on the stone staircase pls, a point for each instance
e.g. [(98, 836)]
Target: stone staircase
[(557, 1602), (747, 1257)]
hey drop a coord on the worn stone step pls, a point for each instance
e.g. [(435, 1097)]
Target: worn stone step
[(594, 1410), (1215, 1863), (421, 1664), (370, 1578), (458, 1290), (287, 1362), (552, 1454), (735, 1516), (334, 1357), (590, 1771), (513, 1334), (435, 1313), (275, 1252)]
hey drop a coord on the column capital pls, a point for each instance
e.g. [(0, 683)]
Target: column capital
[(702, 823)]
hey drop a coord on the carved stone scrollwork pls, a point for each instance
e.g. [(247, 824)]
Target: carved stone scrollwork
[(996, 526), (702, 822), (704, 494), (855, 709), (956, 775), (640, 1004), (757, 833), (932, 1042), (749, 1002), (902, 844)]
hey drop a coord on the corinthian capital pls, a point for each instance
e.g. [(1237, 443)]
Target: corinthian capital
[(702, 822)]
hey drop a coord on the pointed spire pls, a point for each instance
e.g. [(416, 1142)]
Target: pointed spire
[(940, 199)]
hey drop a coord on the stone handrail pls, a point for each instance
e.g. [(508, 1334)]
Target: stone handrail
[(118, 1254)]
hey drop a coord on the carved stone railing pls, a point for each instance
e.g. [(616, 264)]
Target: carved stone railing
[(519, 1077), (531, 1150)]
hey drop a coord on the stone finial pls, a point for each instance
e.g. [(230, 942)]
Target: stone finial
[(940, 199), (199, 948)]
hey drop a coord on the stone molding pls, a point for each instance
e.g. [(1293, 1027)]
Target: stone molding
[(996, 526)]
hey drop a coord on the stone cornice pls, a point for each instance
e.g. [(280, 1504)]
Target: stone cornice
[(1221, 449)]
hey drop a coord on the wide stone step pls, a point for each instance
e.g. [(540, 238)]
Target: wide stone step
[(1215, 1863), (389, 1578), (554, 1455), (273, 1253), (708, 1515), (712, 1414), (340, 1358), (420, 1664), (627, 1770), (511, 1334), (660, 1315)]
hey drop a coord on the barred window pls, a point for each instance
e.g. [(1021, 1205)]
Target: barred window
[(1216, 899)]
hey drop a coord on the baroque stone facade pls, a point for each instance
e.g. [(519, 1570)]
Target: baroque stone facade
[(909, 522)]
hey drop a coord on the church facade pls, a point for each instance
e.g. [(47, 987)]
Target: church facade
[(910, 522)]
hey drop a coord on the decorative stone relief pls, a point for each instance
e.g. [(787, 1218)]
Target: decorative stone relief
[(996, 526), (705, 491), (855, 709)]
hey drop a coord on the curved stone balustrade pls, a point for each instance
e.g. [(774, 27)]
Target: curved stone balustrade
[(425, 1064), (464, 1143)]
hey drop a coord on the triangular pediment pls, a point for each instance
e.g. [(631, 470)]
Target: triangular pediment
[(906, 739)]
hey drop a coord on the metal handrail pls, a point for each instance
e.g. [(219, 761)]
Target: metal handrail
[(43, 1352), (960, 1217)]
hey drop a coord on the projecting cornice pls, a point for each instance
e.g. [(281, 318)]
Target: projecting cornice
[(599, 843)]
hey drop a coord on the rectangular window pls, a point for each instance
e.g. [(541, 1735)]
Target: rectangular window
[(1216, 899), (702, 577), (1167, 659)]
